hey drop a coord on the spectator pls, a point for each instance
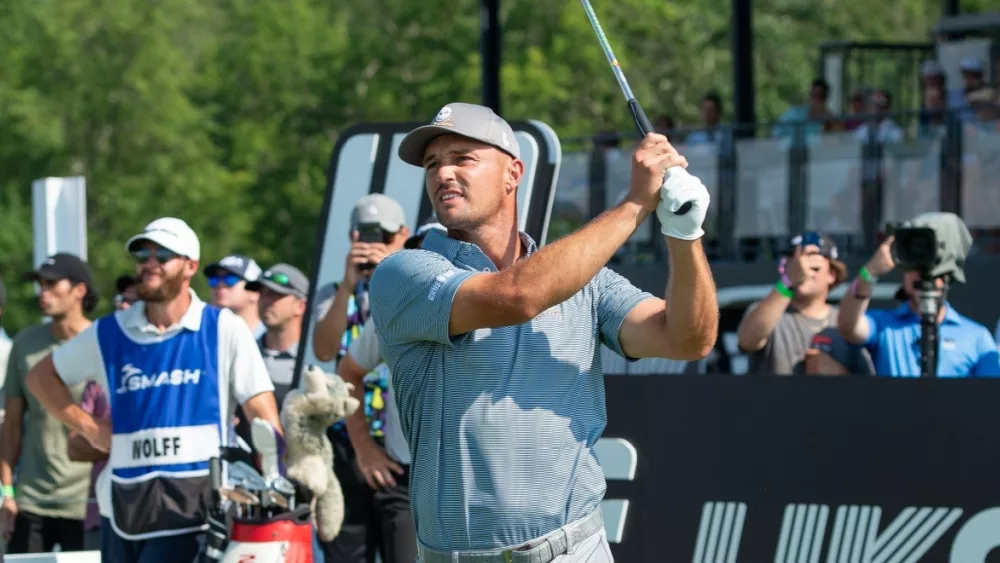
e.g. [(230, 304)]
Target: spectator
[(858, 106), (814, 115), (880, 127), (385, 468), (5, 343), (966, 348), (228, 279), (283, 292), (984, 104), (972, 74), (777, 331), (95, 403), (49, 503), (932, 116), (126, 295), (711, 117), (665, 125), (932, 77), (342, 318)]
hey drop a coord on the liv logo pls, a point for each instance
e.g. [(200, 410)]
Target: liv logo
[(618, 459), (857, 535)]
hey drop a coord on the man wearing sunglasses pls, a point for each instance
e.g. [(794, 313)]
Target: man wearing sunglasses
[(228, 279), (777, 331), (50, 501), (175, 369)]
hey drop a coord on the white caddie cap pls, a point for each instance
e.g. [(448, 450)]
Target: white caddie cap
[(170, 233)]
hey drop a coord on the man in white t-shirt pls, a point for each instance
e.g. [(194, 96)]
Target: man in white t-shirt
[(174, 369)]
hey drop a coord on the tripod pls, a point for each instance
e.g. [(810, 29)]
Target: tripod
[(928, 300)]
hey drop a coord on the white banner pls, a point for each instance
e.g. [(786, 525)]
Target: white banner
[(59, 208)]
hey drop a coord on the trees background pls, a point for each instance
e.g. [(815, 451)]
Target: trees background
[(224, 112)]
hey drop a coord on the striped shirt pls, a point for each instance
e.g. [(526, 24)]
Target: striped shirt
[(501, 423)]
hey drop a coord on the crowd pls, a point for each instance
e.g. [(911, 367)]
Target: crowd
[(869, 110)]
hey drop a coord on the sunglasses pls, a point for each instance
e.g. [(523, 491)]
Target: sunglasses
[(228, 280), (162, 255), (278, 278)]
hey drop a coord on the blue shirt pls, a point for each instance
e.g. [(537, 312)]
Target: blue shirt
[(966, 348), (502, 422)]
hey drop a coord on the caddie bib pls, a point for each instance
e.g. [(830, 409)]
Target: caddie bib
[(166, 425)]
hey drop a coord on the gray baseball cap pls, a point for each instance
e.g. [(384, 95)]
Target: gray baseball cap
[(953, 238), (466, 120), (284, 279), (381, 209)]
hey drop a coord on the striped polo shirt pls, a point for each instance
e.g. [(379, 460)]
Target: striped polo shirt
[(501, 423)]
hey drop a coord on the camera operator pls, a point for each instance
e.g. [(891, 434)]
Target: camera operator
[(776, 332), (966, 348)]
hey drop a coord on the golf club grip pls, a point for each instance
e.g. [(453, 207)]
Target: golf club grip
[(645, 127)]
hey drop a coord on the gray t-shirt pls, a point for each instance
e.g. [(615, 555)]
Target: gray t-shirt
[(785, 351)]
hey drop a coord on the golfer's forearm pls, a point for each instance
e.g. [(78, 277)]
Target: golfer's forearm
[(692, 305), (759, 324), (330, 329), (560, 269)]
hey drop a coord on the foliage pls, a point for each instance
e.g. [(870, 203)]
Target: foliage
[(224, 112)]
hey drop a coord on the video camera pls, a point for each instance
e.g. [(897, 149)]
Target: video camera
[(916, 248)]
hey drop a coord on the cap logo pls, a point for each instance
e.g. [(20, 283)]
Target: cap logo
[(504, 139), (233, 261), (443, 117), (373, 209), (50, 262)]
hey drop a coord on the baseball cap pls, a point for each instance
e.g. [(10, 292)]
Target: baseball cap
[(170, 233), (826, 247), (62, 266), (381, 209), (284, 279), (243, 266), (124, 282), (971, 64), (467, 120), (418, 236), (931, 68), (953, 241)]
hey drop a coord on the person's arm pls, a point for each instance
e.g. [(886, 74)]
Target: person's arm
[(72, 363), (685, 325), (330, 328), (853, 323), (550, 276), (760, 321), (249, 381), (10, 440), (77, 447)]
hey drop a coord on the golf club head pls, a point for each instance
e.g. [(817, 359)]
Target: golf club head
[(270, 446), (248, 477), (239, 496)]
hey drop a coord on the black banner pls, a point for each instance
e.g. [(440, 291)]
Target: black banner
[(808, 469)]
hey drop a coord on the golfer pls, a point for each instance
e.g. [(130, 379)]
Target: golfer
[(494, 344)]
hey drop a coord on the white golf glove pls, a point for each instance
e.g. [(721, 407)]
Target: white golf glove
[(680, 187)]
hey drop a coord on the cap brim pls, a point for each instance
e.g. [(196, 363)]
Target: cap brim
[(159, 238), (42, 274), (411, 150), (218, 269), (277, 288)]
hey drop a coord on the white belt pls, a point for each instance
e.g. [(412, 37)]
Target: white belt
[(541, 550)]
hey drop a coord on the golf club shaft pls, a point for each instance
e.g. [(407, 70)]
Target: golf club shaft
[(642, 122)]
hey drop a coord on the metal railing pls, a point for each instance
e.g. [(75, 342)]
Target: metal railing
[(844, 180)]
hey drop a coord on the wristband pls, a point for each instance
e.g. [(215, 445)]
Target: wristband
[(864, 274), (781, 288), (7, 491)]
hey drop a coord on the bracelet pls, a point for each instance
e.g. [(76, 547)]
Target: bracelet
[(7, 491), (783, 289), (864, 274)]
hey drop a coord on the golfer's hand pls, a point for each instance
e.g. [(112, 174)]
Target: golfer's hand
[(651, 159), (8, 514), (679, 188), (881, 263), (376, 466)]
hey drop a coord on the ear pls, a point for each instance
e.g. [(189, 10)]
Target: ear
[(191, 268), (80, 291), (514, 173), (300, 308)]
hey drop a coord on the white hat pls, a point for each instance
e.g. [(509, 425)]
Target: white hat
[(972, 64), (170, 233)]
